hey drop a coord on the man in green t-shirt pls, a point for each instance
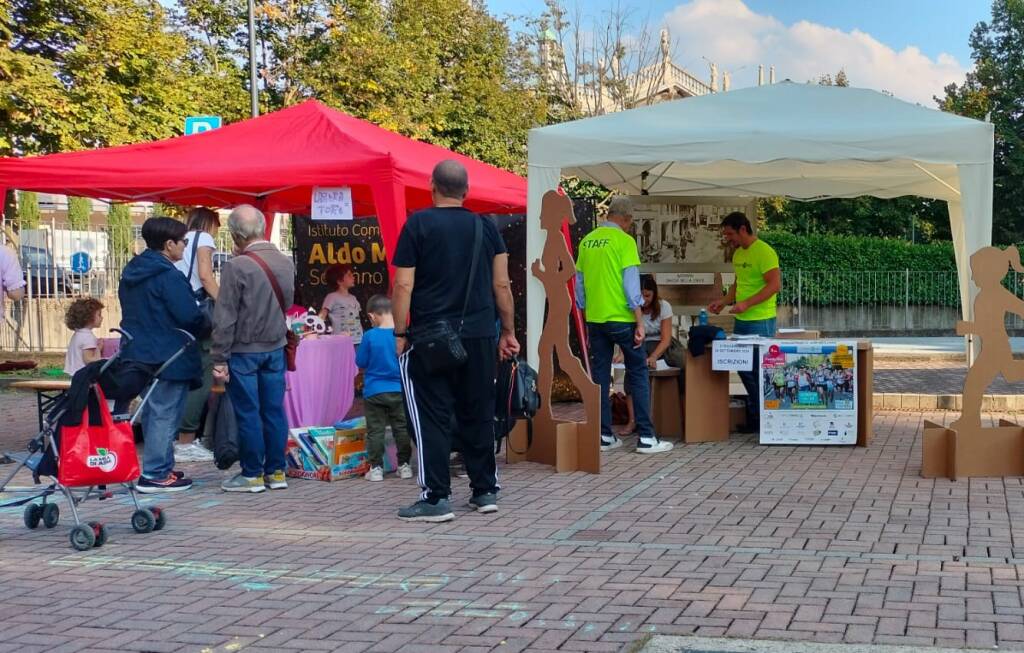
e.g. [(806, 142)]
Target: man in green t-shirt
[(608, 289), (751, 297)]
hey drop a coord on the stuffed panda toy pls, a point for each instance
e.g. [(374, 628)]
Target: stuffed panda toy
[(314, 324)]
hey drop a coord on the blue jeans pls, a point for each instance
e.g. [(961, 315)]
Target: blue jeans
[(603, 338), (256, 390), (765, 328), (160, 419)]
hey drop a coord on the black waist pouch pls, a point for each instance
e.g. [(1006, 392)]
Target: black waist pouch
[(437, 347)]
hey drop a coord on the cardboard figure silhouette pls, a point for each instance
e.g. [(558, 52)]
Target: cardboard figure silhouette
[(988, 267), (964, 448), (567, 446)]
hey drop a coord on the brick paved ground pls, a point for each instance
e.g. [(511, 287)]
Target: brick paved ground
[(892, 375), (806, 543)]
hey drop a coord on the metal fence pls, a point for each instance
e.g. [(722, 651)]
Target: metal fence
[(852, 302), (879, 301), (37, 323)]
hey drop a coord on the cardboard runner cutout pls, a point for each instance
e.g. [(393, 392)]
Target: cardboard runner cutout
[(965, 448), (569, 446)]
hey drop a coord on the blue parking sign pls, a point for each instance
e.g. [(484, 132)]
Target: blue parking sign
[(200, 124), (81, 262)]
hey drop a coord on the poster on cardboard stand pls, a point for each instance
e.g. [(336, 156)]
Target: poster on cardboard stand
[(808, 392)]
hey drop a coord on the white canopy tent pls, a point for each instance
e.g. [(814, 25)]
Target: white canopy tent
[(800, 141)]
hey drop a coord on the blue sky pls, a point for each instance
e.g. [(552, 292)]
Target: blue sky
[(910, 47)]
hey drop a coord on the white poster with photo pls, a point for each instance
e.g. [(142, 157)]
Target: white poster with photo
[(670, 230), (808, 392)]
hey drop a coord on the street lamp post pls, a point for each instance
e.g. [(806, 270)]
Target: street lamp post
[(253, 90)]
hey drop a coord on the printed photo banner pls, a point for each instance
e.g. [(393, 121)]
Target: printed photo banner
[(808, 392), (684, 230)]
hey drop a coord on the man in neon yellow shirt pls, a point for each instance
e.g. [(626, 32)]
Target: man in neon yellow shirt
[(608, 289), (751, 297)]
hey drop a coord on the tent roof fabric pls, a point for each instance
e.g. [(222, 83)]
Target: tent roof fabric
[(803, 141), (276, 158)]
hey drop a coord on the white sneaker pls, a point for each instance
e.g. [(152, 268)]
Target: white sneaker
[(658, 446), (404, 471), (190, 453), (375, 474), (614, 444), (201, 452)]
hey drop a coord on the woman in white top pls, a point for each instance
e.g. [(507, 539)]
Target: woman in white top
[(657, 316), (203, 225), (197, 266)]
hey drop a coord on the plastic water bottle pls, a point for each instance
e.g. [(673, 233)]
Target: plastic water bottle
[(702, 319)]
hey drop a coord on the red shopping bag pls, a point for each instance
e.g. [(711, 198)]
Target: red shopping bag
[(97, 455)]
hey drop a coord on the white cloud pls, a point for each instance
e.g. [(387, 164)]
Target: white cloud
[(738, 39)]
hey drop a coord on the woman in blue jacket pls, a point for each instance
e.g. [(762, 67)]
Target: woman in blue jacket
[(155, 301)]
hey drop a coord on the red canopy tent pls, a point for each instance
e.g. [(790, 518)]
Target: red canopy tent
[(272, 162)]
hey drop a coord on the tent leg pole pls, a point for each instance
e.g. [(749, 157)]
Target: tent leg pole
[(253, 89)]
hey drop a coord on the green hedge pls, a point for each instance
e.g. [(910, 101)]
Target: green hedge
[(844, 270), (858, 253)]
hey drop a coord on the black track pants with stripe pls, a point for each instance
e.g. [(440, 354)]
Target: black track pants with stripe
[(466, 393)]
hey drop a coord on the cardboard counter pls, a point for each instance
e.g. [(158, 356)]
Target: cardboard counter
[(706, 400)]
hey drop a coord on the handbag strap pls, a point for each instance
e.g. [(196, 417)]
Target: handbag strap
[(192, 261), (478, 236), (270, 276)]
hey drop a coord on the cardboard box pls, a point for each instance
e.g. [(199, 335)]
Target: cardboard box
[(333, 452), (326, 454)]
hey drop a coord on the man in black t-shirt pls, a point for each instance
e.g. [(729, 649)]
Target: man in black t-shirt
[(432, 265)]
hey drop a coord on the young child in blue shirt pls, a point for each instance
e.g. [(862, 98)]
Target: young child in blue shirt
[(382, 390)]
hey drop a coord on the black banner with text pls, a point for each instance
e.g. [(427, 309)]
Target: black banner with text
[(322, 243)]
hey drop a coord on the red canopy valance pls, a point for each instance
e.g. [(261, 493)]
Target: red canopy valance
[(273, 162)]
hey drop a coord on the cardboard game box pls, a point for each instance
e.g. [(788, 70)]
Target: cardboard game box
[(325, 453), (333, 452)]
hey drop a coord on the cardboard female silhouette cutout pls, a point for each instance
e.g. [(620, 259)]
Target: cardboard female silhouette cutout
[(567, 446), (965, 448), (989, 266)]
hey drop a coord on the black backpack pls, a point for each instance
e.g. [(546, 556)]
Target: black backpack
[(516, 398)]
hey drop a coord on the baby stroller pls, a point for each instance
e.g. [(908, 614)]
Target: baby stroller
[(59, 453)]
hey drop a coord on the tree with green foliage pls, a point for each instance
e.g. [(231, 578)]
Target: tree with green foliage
[(442, 71), (994, 91), (119, 228), (162, 210), (31, 89), (912, 218), (79, 213), (91, 73), (28, 211)]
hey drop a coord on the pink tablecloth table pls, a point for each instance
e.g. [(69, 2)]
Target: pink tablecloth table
[(321, 389)]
